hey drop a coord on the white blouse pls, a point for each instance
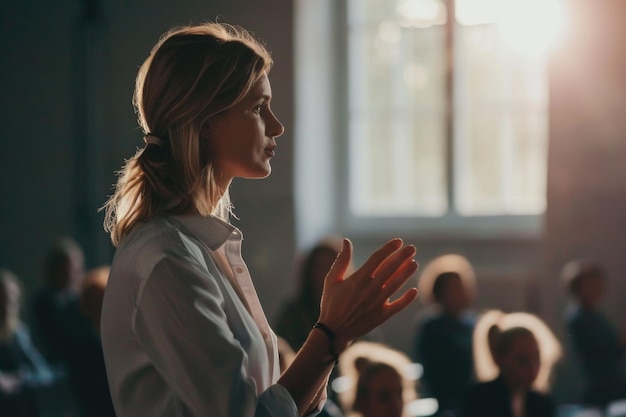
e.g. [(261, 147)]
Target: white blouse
[(183, 332)]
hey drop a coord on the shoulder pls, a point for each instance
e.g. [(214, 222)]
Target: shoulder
[(431, 321), (154, 251), (151, 242)]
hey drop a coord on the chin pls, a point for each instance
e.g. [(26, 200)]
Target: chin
[(258, 175)]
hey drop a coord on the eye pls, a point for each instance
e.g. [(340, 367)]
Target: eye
[(257, 108)]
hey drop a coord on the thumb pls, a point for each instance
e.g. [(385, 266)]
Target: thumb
[(342, 262)]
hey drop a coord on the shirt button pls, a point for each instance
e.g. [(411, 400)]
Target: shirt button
[(239, 270)]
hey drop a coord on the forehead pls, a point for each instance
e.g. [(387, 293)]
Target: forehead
[(385, 378), (524, 343), (261, 87)]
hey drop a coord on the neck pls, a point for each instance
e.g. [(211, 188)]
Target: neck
[(515, 389), (455, 314)]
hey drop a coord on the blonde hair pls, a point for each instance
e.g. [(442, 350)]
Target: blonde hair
[(192, 74), (505, 328)]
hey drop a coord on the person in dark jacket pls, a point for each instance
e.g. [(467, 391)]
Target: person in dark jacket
[(512, 393), (443, 339), (600, 349)]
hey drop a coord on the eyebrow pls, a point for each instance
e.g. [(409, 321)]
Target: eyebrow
[(263, 96)]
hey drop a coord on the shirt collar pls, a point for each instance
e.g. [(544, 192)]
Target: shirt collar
[(209, 229)]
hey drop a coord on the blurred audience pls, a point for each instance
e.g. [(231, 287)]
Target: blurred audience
[(297, 316), (376, 381), (23, 370), (443, 342), (67, 334), (92, 384), (57, 314), (595, 340), (514, 354)]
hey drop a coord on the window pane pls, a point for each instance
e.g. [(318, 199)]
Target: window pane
[(398, 168), (396, 83), (500, 125), (396, 106)]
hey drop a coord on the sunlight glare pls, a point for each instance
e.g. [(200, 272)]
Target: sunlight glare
[(529, 27), (532, 27), (421, 13)]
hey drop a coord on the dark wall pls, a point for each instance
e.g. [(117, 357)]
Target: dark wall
[(67, 124)]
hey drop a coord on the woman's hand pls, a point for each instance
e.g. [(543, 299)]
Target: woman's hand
[(352, 306)]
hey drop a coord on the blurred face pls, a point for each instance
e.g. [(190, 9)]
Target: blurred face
[(70, 273), (454, 297), (384, 397), (520, 365), (591, 290), (242, 139)]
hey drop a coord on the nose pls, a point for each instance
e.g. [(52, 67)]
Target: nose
[(274, 127)]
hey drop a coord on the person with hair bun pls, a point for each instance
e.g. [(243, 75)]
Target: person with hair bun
[(183, 331), (376, 380), (516, 363)]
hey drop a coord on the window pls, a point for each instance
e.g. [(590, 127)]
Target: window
[(448, 108)]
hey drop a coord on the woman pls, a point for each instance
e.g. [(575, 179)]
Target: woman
[(376, 380), (522, 351), (182, 328)]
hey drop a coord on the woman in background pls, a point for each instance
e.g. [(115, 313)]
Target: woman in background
[(515, 354), (376, 380)]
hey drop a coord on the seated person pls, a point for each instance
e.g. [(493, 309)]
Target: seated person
[(376, 381), (514, 354), (22, 368), (444, 336), (90, 373), (299, 314), (601, 351), (56, 311)]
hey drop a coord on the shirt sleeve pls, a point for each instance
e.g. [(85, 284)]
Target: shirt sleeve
[(181, 325)]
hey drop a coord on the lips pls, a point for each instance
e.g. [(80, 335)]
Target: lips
[(269, 151)]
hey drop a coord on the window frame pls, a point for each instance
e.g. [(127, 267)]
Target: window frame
[(451, 224)]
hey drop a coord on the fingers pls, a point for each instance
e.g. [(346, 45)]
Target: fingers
[(378, 257), (342, 262), (400, 303), (393, 263), (398, 278)]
